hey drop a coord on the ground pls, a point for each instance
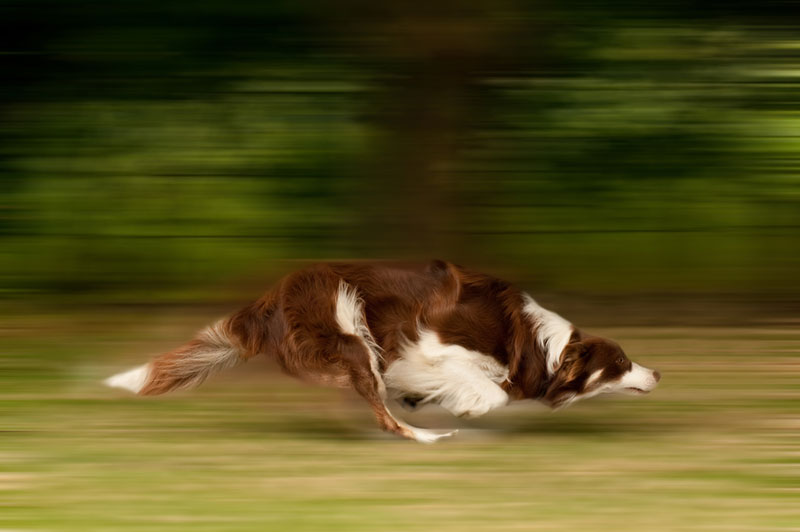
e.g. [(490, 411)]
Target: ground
[(715, 447)]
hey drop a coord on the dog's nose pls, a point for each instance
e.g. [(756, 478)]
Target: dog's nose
[(657, 376)]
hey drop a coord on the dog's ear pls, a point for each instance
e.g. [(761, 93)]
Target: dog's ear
[(573, 352), (572, 363), (563, 385)]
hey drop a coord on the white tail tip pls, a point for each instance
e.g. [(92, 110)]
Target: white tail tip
[(132, 380)]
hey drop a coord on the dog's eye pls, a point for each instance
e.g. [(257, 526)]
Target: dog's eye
[(621, 360)]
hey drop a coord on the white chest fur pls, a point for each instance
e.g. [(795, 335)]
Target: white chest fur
[(464, 382)]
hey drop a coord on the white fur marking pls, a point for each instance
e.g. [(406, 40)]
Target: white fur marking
[(350, 318), (552, 332), (638, 377), (349, 308), (593, 377), (464, 382), (132, 380), (424, 435)]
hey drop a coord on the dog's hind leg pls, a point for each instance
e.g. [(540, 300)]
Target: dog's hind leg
[(331, 342), (367, 381)]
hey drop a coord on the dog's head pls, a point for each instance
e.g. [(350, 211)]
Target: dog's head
[(594, 365)]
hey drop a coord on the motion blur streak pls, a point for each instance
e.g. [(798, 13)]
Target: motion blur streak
[(161, 163)]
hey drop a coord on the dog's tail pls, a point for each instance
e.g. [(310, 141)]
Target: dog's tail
[(220, 346)]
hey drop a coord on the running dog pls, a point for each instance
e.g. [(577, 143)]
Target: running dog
[(433, 334)]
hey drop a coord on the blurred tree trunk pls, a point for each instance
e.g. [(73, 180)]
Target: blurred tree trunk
[(427, 66)]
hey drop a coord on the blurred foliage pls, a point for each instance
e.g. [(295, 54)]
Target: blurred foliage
[(151, 150)]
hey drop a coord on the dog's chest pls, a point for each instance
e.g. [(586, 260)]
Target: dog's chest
[(461, 380)]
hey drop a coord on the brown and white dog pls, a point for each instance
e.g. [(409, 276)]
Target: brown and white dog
[(434, 334)]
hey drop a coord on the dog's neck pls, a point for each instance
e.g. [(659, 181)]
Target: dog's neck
[(538, 339)]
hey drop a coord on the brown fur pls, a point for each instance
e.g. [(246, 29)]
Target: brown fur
[(295, 324)]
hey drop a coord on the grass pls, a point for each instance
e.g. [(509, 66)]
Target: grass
[(714, 448)]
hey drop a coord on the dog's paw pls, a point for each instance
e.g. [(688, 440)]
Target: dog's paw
[(428, 436)]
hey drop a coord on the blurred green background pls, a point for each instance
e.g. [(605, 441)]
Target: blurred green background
[(176, 151), (636, 166)]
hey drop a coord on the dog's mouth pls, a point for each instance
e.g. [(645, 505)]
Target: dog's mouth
[(638, 391)]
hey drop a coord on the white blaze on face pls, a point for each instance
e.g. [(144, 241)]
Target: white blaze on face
[(593, 377), (637, 380)]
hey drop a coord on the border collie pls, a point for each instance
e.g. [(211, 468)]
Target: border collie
[(435, 334)]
